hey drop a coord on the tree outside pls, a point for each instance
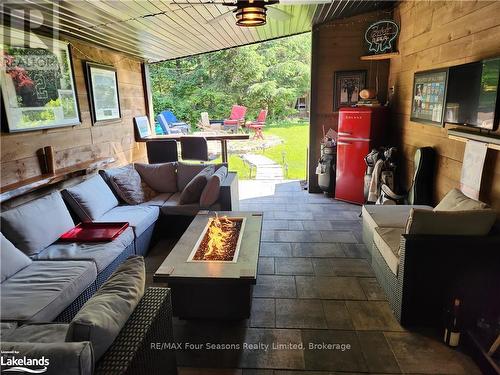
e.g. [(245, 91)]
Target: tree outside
[(270, 75)]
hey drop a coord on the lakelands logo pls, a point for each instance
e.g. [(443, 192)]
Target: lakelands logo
[(11, 363)]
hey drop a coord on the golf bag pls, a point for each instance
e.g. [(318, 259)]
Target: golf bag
[(380, 178)]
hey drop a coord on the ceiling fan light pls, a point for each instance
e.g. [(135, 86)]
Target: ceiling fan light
[(249, 16)]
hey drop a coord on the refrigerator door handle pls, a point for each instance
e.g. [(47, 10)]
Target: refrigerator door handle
[(344, 133), (343, 143), (355, 139)]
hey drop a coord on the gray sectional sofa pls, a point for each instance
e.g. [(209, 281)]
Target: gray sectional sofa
[(50, 280), (111, 334)]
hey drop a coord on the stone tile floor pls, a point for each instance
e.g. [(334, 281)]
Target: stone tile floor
[(315, 287)]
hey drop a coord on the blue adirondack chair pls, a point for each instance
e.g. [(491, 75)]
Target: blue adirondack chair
[(166, 128), (170, 124)]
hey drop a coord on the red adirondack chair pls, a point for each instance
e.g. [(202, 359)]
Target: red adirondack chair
[(236, 119), (258, 124)]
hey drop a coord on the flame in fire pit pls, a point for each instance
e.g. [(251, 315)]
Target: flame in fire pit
[(220, 240), (219, 232)]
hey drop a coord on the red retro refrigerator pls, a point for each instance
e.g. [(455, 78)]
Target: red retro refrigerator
[(360, 130)]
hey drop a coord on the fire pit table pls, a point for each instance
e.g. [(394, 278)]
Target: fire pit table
[(212, 269)]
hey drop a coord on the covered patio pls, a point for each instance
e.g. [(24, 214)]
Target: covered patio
[(128, 248), (315, 287)]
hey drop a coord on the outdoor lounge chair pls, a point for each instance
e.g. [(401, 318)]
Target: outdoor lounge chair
[(258, 124), (170, 124), (206, 124), (236, 119)]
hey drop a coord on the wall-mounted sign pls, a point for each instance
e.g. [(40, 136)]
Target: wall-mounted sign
[(429, 96), (381, 36)]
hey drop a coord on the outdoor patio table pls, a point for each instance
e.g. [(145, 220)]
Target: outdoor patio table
[(222, 138)]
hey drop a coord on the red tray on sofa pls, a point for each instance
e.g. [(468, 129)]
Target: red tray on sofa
[(94, 232)]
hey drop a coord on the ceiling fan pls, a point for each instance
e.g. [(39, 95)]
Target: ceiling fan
[(251, 13)]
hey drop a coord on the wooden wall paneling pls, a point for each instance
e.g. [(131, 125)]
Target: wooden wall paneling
[(337, 45), (433, 35), (81, 143)]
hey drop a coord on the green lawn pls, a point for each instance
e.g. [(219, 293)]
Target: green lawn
[(296, 140)]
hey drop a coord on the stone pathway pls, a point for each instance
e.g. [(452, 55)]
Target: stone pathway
[(262, 167), (315, 287)]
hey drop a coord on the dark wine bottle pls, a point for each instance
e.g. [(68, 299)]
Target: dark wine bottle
[(452, 328)]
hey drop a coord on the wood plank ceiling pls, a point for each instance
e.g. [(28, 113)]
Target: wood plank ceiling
[(156, 30)]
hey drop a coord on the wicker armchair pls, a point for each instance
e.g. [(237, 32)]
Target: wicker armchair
[(134, 350), (433, 269)]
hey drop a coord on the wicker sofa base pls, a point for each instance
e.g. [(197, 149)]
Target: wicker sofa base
[(143, 242), (69, 312), (142, 345), (435, 269), (388, 281), (106, 273)]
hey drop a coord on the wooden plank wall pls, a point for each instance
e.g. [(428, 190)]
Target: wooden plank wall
[(438, 34), (338, 45), (84, 142)]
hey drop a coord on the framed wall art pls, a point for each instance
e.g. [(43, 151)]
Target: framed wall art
[(429, 97), (103, 91), (38, 86), (346, 87)]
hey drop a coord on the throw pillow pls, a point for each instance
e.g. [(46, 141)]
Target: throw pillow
[(90, 199), (186, 172), (128, 185), (33, 226), (193, 190), (211, 191), (455, 200), (160, 177), (103, 316), (107, 174), (12, 260), (456, 223)]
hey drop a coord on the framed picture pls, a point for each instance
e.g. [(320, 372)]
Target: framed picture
[(38, 86), (104, 97), (429, 97), (346, 87)]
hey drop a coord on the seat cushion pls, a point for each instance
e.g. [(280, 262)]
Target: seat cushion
[(159, 177), (139, 217), (186, 172), (106, 312), (392, 216), (158, 200), (33, 226), (12, 260), (455, 200), (387, 242), (101, 253), (192, 191), (456, 223), (6, 328), (90, 199), (42, 333), (41, 291), (173, 207), (211, 192)]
